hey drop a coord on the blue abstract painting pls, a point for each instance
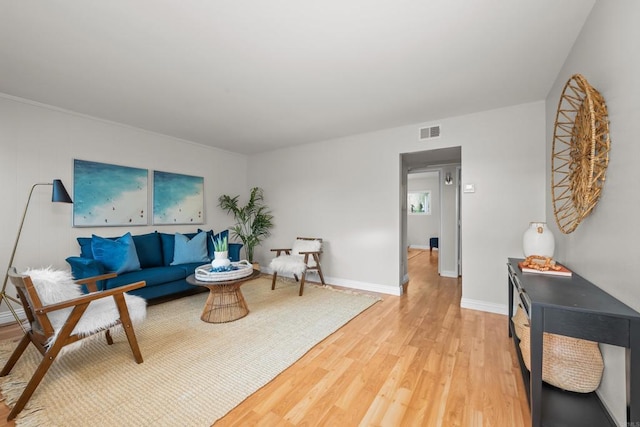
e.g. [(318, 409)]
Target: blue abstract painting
[(109, 195), (177, 198)]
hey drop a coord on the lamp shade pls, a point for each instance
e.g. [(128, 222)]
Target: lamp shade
[(59, 193)]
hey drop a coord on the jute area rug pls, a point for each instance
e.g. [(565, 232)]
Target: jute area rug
[(193, 372)]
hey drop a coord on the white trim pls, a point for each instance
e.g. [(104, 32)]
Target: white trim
[(483, 306), (452, 274), (347, 283), (6, 317), (364, 286), (420, 247)]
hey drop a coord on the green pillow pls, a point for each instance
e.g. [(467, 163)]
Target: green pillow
[(190, 250), (117, 255)]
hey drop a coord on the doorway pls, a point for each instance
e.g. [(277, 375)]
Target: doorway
[(447, 163)]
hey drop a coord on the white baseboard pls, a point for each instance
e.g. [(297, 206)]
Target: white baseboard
[(420, 247), (452, 274), (365, 286), (484, 306), (353, 284), (7, 317)]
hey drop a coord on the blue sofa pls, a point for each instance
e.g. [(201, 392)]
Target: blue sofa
[(153, 261)]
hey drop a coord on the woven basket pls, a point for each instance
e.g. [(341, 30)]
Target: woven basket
[(568, 363), (520, 321), (242, 269)]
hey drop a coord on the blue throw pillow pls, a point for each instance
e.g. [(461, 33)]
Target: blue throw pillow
[(116, 255), (149, 249), (190, 250), (85, 247), (82, 267), (209, 243), (168, 247)]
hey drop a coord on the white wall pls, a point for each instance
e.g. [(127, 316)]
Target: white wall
[(447, 254), (39, 143), (347, 191), (604, 248), (421, 227)]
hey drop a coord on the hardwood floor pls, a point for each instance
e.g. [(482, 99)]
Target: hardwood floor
[(415, 360)]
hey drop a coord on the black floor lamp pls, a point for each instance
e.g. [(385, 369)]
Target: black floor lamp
[(59, 194)]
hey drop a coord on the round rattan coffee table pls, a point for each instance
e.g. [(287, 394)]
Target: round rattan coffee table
[(225, 302)]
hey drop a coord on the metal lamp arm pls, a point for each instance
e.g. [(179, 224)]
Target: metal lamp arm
[(15, 246)]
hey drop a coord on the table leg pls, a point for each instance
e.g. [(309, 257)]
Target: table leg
[(224, 304), (633, 375), (535, 380)]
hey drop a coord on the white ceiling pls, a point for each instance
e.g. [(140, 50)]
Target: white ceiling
[(252, 76)]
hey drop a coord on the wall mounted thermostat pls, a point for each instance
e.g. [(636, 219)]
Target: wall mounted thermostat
[(469, 188)]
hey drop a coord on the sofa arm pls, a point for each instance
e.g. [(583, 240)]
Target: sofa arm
[(82, 268), (234, 251)]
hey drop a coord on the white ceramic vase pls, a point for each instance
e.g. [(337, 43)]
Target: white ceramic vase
[(538, 240), (220, 259)]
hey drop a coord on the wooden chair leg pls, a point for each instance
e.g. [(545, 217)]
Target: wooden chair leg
[(273, 281), (128, 327), (321, 276), (38, 375), (47, 360), (15, 356), (319, 269), (107, 335), (302, 283)]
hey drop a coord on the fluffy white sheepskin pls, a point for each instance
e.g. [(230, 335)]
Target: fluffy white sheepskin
[(56, 285), (294, 263)]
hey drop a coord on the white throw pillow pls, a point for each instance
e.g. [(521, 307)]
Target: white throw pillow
[(300, 245), (53, 285)]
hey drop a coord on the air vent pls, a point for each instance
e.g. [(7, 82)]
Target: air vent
[(430, 132)]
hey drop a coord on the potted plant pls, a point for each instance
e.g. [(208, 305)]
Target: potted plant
[(220, 253), (253, 220)]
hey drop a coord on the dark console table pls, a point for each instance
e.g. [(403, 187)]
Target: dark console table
[(573, 306)]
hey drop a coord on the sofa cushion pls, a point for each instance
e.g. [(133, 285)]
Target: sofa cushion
[(149, 250), (117, 255), (82, 267), (152, 276), (210, 237), (85, 247), (190, 268), (168, 245), (190, 250), (234, 251), (209, 242)]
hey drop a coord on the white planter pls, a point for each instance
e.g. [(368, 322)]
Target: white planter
[(220, 259), (538, 240)]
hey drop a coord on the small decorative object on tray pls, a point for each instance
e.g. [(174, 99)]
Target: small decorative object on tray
[(236, 270), (543, 265)]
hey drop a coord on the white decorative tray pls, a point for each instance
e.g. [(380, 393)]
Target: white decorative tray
[(239, 270)]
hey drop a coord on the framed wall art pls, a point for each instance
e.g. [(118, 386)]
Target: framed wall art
[(109, 195), (419, 202), (177, 198)]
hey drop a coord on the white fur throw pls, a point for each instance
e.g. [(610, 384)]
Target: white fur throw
[(294, 263), (288, 264), (55, 286)]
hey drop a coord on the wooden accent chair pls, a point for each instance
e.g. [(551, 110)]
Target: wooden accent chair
[(56, 320), (303, 256)]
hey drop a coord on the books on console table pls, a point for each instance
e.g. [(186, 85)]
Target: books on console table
[(563, 271)]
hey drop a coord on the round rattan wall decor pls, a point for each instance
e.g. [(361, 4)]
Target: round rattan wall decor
[(580, 153)]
